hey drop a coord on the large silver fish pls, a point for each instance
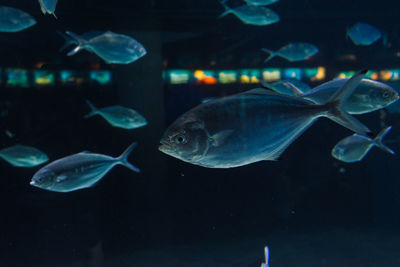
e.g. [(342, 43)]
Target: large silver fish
[(364, 34), (118, 116), (354, 148), (23, 156), (253, 15), (293, 52), (14, 20), (113, 48), (252, 126), (368, 96), (79, 171), (48, 7)]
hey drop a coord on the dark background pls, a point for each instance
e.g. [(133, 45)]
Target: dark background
[(171, 202)]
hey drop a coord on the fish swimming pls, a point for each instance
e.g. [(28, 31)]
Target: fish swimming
[(364, 34), (369, 95), (113, 48), (252, 126), (14, 20), (118, 116), (48, 7), (354, 148), (79, 171), (253, 15), (293, 52), (23, 156), (260, 2), (266, 253), (286, 87), (72, 41)]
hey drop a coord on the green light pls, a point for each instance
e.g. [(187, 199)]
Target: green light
[(310, 72), (271, 74), (17, 78), (179, 76), (103, 77), (227, 76)]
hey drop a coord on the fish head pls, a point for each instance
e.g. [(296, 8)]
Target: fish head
[(339, 152), (185, 139), (44, 179), (137, 120), (384, 96)]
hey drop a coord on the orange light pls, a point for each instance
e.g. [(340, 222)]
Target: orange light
[(320, 74), (386, 75), (374, 76)]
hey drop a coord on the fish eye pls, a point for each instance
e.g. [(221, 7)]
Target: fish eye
[(180, 139), (386, 94)]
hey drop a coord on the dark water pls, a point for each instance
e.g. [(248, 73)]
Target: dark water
[(310, 209)]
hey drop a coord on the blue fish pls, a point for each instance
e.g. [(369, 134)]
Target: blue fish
[(48, 6), (118, 116), (79, 171), (113, 48), (354, 148), (253, 15), (252, 126), (293, 52), (364, 34), (260, 2), (23, 156), (14, 20), (369, 95), (72, 41)]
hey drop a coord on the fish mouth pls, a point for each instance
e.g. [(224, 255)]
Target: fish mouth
[(165, 147), (32, 183)]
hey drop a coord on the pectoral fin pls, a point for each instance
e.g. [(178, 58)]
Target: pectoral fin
[(220, 137)]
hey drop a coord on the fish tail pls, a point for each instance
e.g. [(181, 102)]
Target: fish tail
[(272, 54), (93, 111), (80, 43), (123, 159), (228, 10), (54, 15), (68, 40), (334, 106), (379, 138)]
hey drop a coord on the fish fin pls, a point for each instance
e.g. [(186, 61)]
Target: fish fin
[(220, 137), (68, 40), (272, 54), (228, 10), (54, 15), (80, 43), (42, 7), (379, 138), (93, 110), (334, 106), (61, 178), (268, 85), (123, 159), (259, 91), (294, 90)]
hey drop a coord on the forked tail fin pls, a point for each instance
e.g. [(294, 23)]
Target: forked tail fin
[(228, 10), (80, 43), (379, 138), (123, 159), (335, 110), (93, 110), (271, 53)]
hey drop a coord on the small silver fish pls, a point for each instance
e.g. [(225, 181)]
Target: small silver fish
[(23, 156), (118, 116), (266, 253), (14, 20), (293, 52), (253, 15), (79, 171), (113, 48), (252, 126), (48, 7), (354, 148), (369, 95), (364, 34), (260, 2)]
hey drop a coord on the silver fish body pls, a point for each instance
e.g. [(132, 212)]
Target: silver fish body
[(364, 34), (23, 156), (253, 15), (260, 2), (78, 171), (118, 116), (113, 48), (248, 127), (14, 20), (294, 51), (355, 147)]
